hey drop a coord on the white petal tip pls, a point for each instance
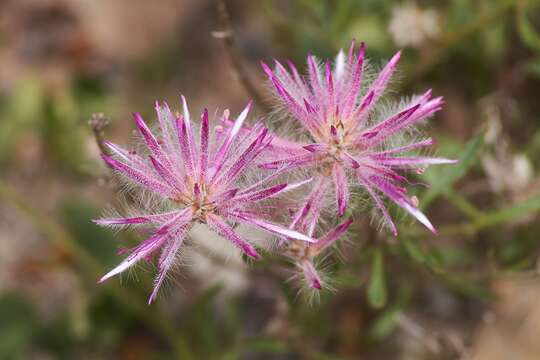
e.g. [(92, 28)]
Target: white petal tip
[(103, 279), (151, 299), (446, 161), (420, 217), (298, 184), (124, 265)]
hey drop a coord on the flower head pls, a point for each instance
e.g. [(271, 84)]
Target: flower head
[(348, 137), (197, 180), (306, 220)]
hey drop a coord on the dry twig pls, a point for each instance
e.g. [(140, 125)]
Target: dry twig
[(236, 60)]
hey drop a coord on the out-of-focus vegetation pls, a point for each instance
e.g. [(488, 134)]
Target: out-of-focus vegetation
[(471, 290)]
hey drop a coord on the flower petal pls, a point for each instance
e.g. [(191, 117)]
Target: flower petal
[(342, 188), (219, 225)]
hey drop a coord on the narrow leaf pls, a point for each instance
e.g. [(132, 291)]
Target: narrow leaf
[(376, 292)]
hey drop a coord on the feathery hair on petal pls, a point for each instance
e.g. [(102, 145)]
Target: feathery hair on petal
[(196, 180), (350, 141), (305, 219)]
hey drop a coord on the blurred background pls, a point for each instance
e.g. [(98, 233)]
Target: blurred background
[(473, 292)]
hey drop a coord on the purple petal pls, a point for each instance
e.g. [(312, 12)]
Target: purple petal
[(380, 83), (220, 157), (220, 226), (387, 127), (307, 216), (135, 220), (376, 90), (408, 162), (185, 138), (397, 196), (334, 234), (272, 176), (127, 157), (244, 159), (311, 275), (329, 80), (427, 109), (149, 138), (423, 143), (270, 192), (137, 176), (315, 147), (151, 244), (167, 176), (167, 258), (122, 221), (356, 81), (225, 196), (380, 205), (342, 188), (314, 77), (205, 135), (291, 102), (166, 124), (273, 228), (291, 162)]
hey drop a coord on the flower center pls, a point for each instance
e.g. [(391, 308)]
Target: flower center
[(199, 202), (337, 144)]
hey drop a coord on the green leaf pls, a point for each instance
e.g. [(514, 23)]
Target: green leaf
[(452, 173), (414, 251), (376, 292), (431, 258), (384, 324), (529, 35), (523, 208)]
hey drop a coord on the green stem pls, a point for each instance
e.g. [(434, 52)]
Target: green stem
[(463, 205), (487, 220)]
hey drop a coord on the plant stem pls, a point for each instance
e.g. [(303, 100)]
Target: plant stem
[(487, 220), (236, 60), (463, 205)]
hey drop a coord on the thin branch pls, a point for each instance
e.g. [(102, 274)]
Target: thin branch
[(236, 60)]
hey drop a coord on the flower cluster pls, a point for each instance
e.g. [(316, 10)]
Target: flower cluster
[(347, 143)]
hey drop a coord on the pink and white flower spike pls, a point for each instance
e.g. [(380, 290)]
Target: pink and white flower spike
[(197, 180), (350, 143), (306, 219)]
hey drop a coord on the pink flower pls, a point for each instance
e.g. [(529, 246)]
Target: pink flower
[(306, 220), (197, 180), (349, 140)]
